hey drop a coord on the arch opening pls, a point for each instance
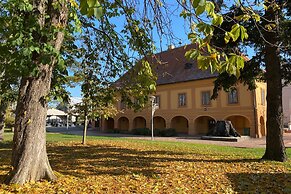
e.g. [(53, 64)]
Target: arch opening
[(109, 123), (203, 124), (123, 123), (159, 122), (241, 124), (139, 122), (180, 124)]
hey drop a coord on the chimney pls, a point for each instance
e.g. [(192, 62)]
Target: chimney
[(171, 46)]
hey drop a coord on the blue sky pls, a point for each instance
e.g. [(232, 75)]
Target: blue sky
[(75, 92), (180, 29)]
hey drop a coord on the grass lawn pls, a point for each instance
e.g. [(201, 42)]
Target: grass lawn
[(110, 165)]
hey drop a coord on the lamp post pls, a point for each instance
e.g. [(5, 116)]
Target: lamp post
[(154, 108), (67, 121)]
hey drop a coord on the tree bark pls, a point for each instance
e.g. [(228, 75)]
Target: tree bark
[(85, 129), (29, 157), (3, 108), (275, 149)]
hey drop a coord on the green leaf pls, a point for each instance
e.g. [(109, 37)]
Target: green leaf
[(210, 8), (202, 3), (34, 72), (244, 34), (152, 87), (208, 48), (256, 17), (235, 31), (236, 64), (26, 52), (29, 7), (90, 8), (240, 62), (91, 3), (209, 30), (203, 62), (192, 36), (199, 10), (244, 17), (195, 3), (98, 12), (188, 53), (227, 37), (83, 7), (192, 54), (205, 28), (185, 14), (90, 12), (217, 20), (83, 11)]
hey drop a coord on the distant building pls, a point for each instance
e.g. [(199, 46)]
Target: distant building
[(286, 98), (183, 95), (56, 117)]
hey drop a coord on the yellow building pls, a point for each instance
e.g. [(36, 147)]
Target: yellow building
[(183, 95)]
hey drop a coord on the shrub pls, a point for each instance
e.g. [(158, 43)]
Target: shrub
[(157, 132), (124, 131), (141, 131), (115, 130), (170, 132)]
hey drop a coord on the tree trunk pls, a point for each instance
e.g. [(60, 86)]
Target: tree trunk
[(85, 129), (275, 149), (29, 155), (3, 108)]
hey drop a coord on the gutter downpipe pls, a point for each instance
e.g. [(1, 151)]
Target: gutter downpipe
[(255, 113)]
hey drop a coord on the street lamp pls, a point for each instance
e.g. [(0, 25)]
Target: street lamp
[(154, 107)]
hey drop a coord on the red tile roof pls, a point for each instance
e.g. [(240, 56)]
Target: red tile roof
[(171, 66)]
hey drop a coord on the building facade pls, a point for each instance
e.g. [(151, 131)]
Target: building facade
[(286, 100), (184, 98)]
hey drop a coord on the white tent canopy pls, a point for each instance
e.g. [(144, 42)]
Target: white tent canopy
[(55, 112)]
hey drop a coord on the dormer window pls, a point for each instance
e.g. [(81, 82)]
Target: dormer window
[(188, 65)]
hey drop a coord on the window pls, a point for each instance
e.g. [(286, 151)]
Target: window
[(157, 100), (206, 98), (263, 97), (233, 96), (182, 99)]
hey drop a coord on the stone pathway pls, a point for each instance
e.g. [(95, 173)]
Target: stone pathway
[(246, 143)]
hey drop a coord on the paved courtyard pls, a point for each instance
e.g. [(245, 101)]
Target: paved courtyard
[(246, 143)]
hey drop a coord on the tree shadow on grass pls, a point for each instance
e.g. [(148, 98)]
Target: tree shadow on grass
[(5, 158), (5, 152), (81, 161), (261, 182)]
